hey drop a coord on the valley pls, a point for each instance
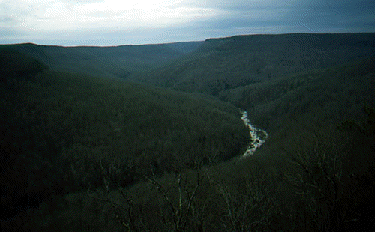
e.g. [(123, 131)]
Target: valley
[(167, 137)]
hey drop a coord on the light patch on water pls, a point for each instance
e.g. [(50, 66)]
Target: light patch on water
[(257, 136)]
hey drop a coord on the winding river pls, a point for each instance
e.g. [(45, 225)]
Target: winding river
[(257, 136)]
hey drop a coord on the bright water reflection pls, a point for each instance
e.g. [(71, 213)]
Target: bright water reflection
[(257, 136)]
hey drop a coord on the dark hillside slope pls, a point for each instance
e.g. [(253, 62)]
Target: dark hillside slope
[(321, 132), (117, 61), (61, 131), (329, 95), (227, 63), (15, 66), (185, 47), (314, 173), (320, 112)]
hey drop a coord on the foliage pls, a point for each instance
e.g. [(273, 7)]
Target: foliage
[(59, 128), (116, 61), (228, 63), (330, 193), (327, 95), (15, 65), (95, 154)]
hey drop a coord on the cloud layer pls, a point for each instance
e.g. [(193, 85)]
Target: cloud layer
[(111, 22)]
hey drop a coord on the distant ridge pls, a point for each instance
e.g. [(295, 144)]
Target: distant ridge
[(227, 63), (113, 61)]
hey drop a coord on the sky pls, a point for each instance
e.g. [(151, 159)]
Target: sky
[(124, 22)]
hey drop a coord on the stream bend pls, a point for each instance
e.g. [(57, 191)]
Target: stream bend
[(257, 136)]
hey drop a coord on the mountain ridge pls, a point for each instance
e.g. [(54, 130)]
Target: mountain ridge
[(95, 152), (226, 63), (112, 61)]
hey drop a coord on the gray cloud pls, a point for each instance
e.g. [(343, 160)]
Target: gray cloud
[(13, 35), (6, 19), (77, 22)]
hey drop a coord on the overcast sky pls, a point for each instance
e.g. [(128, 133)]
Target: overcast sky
[(117, 22)]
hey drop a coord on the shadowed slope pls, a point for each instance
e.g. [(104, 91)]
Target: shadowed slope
[(116, 61), (227, 63), (59, 129)]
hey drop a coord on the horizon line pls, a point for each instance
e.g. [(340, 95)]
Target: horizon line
[(192, 41)]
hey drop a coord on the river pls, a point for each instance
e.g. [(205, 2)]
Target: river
[(257, 136)]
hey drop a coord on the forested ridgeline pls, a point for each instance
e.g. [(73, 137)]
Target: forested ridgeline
[(314, 173), (95, 154), (113, 61), (228, 63), (61, 130), (330, 95)]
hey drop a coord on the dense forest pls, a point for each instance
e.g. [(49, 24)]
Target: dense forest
[(228, 63), (150, 137), (116, 61)]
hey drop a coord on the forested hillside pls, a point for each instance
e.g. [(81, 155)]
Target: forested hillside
[(327, 93), (116, 61), (227, 63), (59, 128), (99, 153)]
